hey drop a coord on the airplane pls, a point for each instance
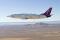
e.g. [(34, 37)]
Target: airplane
[(46, 14)]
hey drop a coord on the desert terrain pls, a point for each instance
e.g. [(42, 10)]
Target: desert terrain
[(38, 31)]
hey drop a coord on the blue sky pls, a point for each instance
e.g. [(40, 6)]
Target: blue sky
[(8, 7)]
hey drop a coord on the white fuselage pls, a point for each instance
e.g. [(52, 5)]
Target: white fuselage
[(28, 16)]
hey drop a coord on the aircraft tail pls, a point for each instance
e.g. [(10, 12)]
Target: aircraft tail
[(48, 12)]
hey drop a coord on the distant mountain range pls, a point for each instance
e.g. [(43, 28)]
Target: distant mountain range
[(31, 23)]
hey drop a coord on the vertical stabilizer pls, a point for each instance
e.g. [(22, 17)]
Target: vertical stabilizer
[(48, 12)]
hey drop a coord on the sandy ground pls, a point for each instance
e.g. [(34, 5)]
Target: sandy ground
[(30, 32), (15, 39), (36, 36)]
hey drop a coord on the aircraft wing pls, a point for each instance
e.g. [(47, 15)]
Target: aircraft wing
[(32, 16)]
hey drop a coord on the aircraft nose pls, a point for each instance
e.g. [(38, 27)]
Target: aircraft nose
[(8, 16)]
